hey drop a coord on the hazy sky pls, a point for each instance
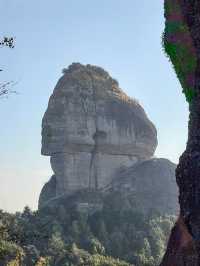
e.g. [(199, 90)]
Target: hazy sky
[(122, 36)]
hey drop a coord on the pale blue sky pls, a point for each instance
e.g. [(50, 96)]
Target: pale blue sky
[(122, 36)]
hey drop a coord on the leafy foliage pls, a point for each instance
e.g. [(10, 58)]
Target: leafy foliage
[(116, 234)]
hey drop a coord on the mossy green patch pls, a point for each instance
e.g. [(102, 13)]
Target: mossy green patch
[(189, 94), (170, 7), (178, 46), (175, 26)]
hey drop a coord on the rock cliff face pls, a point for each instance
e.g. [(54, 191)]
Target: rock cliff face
[(95, 135), (151, 184), (91, 129)]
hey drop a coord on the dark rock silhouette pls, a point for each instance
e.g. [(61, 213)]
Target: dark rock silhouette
[(182, 45)]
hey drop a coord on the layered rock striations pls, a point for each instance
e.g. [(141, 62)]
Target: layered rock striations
[(93, 132)]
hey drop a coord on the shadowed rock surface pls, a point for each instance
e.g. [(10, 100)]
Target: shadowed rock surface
[(181, 41), (151, 184)]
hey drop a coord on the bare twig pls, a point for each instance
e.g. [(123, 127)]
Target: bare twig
[(5, 88)]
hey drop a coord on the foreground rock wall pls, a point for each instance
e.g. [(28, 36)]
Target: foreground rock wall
[(181, 40)]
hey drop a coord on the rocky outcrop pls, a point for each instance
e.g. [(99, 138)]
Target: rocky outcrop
[(48, 191), (181, 250), (92, 129), (151, 184)]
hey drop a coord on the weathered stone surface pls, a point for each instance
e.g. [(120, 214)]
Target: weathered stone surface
[(182, 45), (91, 129), (48, 192), (181, 248), (151, 184)]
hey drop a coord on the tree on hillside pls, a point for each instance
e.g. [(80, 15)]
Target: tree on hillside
[(181, 41), (5, 87)]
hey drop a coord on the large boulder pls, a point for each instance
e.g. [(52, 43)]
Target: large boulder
[(91, 129), (150, 184)]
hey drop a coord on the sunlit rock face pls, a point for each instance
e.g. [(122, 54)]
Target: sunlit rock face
[(91, 129)]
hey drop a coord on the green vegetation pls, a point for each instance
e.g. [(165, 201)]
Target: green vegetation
[(178, 46), (116, 235)]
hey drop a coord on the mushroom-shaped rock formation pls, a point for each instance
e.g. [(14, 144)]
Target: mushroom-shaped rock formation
[(91, 129)]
